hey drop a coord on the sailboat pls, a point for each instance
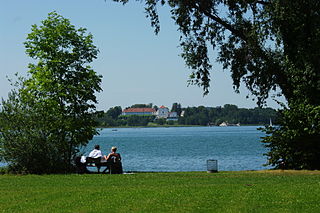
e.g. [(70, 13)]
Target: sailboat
[(270, 124)]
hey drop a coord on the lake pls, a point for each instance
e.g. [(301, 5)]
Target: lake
[(185, 148)]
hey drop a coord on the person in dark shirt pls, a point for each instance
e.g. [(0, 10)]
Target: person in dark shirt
[(115, 159)]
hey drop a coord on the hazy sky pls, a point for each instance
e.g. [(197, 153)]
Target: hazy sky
[(137, 66)]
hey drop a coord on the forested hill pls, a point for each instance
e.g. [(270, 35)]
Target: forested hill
[(200, 115)]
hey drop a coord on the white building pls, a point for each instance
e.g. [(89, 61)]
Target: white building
[(173, 116), (163, 112)]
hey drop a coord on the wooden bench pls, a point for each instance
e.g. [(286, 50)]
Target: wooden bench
[(111, 167)]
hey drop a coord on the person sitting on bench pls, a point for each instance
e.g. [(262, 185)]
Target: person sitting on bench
[(115, 159), (96, 154)]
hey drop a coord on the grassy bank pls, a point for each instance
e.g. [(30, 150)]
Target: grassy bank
[(258, 191)]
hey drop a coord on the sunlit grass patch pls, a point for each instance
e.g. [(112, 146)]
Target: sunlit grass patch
[(246, 191)]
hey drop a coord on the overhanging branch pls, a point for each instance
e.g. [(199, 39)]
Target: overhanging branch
[(222, 22)]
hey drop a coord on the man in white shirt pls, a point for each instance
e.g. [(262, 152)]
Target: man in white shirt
[(96, 153)]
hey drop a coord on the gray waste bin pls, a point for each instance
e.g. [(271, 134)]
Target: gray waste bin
[(212, 166)]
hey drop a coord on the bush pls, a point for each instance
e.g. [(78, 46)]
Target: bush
[(295, 144)]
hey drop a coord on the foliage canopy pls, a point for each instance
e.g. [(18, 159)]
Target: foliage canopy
[(51, 114), (264, 43)]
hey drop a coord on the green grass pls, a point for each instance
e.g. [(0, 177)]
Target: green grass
[(257, 191)]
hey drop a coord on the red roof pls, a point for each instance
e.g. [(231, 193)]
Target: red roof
[(163, 107), (139, 110)]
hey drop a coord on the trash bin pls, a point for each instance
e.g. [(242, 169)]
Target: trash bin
[(212, 166)]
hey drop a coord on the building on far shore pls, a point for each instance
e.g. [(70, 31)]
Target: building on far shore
[(162, 112), (227, 124), (139, 111), (223, 124), (172, 116)]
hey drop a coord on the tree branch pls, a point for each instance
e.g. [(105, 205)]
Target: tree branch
[(281, 78), (225, 24)]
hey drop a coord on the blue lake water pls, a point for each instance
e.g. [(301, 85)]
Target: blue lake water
[(185, 148)]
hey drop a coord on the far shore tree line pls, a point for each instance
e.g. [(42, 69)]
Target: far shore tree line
[(201, 115)]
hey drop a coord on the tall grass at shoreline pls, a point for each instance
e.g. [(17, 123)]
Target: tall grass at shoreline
[(255, 191)]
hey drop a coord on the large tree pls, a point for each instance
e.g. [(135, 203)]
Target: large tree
[(55, 105), (267, 45)]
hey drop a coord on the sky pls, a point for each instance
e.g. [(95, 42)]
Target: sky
[(137, 66)]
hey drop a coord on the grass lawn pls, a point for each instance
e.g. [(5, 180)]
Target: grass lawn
[(245, 191)]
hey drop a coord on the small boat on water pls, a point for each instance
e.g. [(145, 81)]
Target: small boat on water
[(114, 130)]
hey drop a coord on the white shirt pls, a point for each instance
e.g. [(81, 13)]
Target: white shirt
[(96, 153), (83, 159)]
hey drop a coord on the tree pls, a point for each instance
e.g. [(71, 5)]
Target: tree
[(137, 120), (160, 121), (266, 44), (114, 112), (229, 113), (295, 144), (56, 104), (21, 144), (155, 107), (141, 106), (176, 107), (257, 40)]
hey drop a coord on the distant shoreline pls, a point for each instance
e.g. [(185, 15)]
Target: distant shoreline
[(168, 126)]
